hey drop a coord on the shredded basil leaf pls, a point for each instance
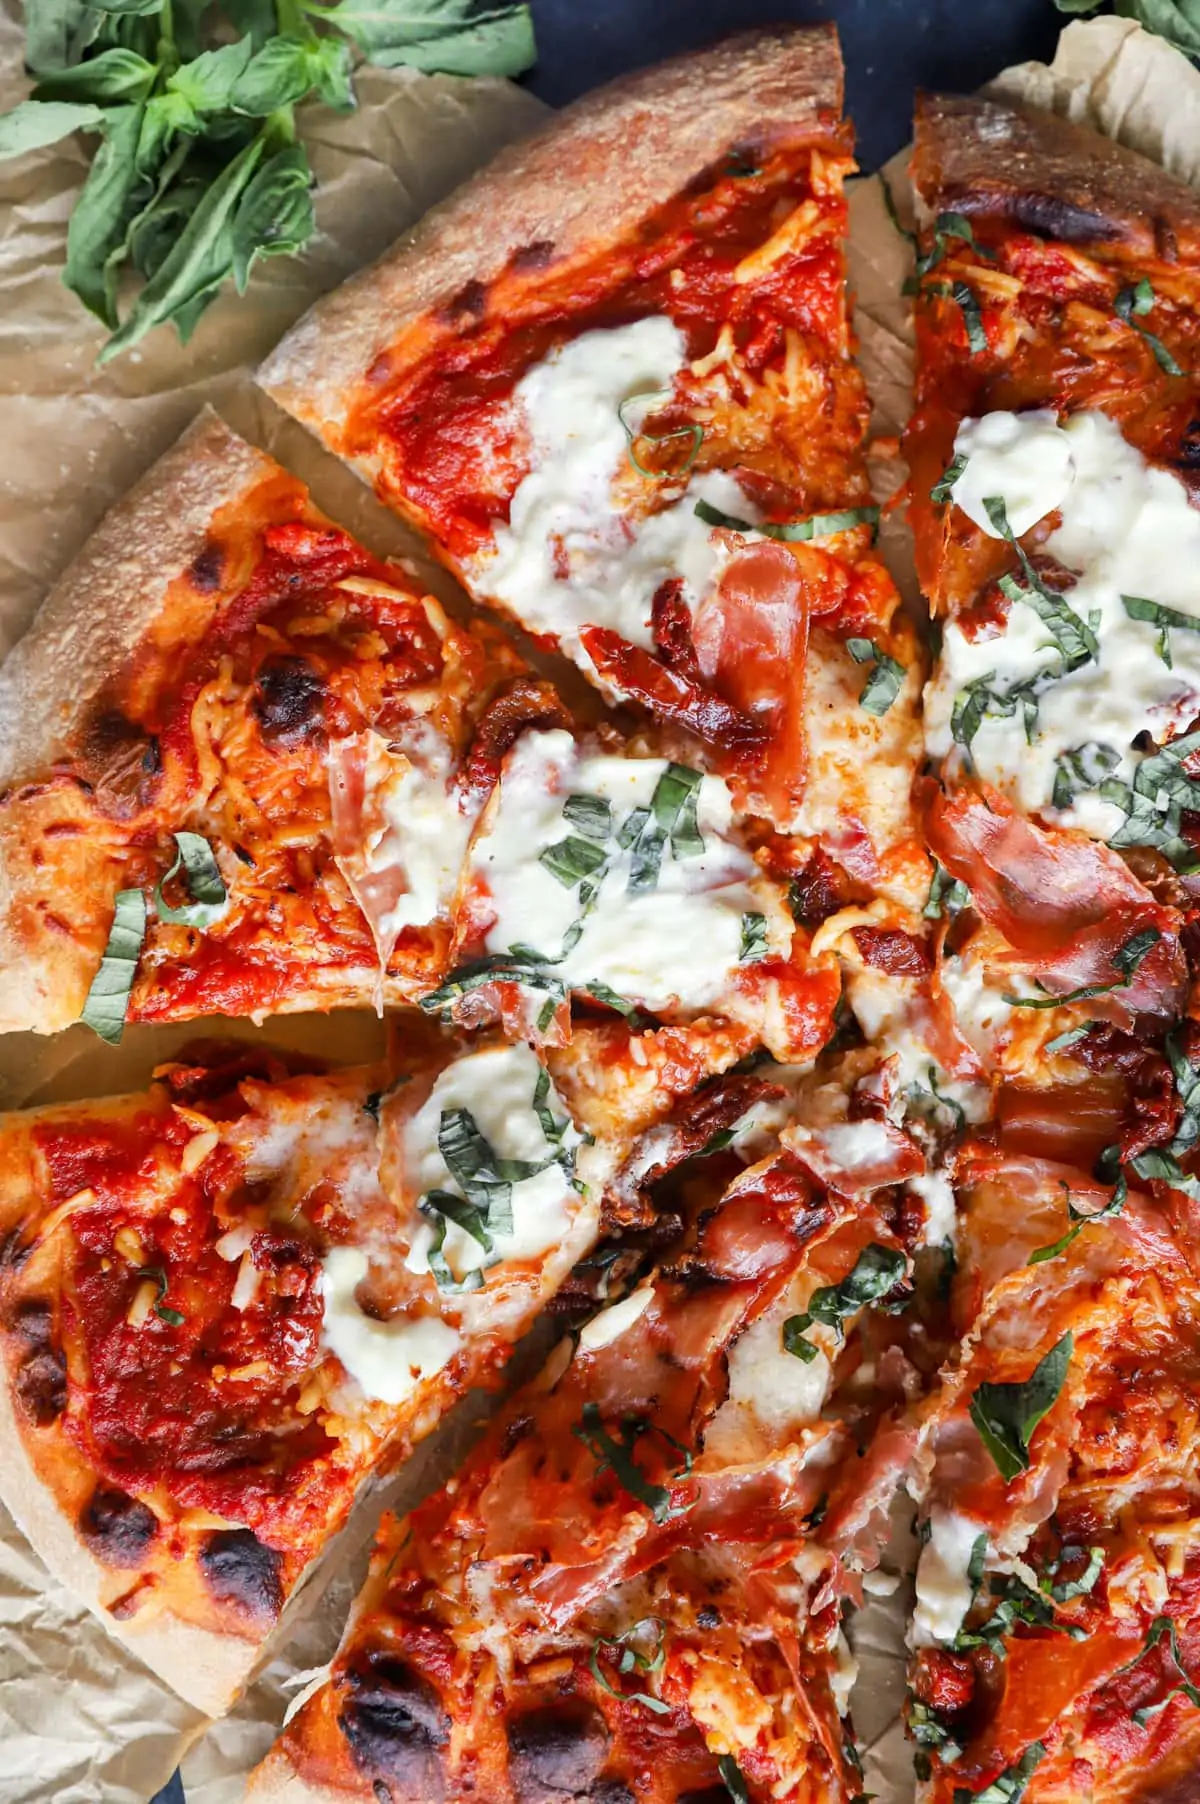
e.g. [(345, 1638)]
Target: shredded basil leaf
[(792, 532), (443, 1277), (1126, 959), (1083, 1585), (943, 488), (1071, 1037), (519, 966), (754, 939), (693, 431), (1163, 1166), (484, 1179), (553, 1130), (589, 815), (107, 1001), (885, 681), (1081, 1218), (205, 884), (1082, 767), (968, 306), (1130, 305), (1010, 1786), (1006, 1415), (672, 819), (948, 228), (948, 895), (978, 701), (616, 1456), (626, 1660), (733, 1779), (1073, 636), (172, 1317), (1165, 619), (572, 860), (877, 1270), (889, 202), (1161, 791)]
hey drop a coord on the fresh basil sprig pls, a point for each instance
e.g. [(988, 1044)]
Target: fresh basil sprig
[(615, 1454), (792, 532), (107, 1002), (198, 172), (1007, 1414), (205, 885)]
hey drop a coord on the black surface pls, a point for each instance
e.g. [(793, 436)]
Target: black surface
[(891, 47)]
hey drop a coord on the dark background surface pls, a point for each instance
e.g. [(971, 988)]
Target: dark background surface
[(891, 47)]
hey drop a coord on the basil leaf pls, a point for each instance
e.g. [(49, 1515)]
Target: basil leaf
[(964, 299), (114, 75), (278, 75), (205, 884), (627, 1658), (977, 701), (1081, 1218), (57, 32), (1084, 1584), (616, 1456), (1128, 957), (1163, 1166), (1164, 1625), (571, 860), (943, 488), (1073, 1035), (275, 217), (1129, 305), (1080, 768), (1006, 1415), (553, 1130), (610, 998), (877, 1270), (672, 818), (977, 1561), (255, 18), (1073, 636), (1137, 607), (207, 82), (792, 532), (733, 1779), (519, 966), (948, 228), (885, 681), (197, 263), (443, 1277), (33, 124), (633, 433), (464, 1215), (484, 1179), (754, 939), (589, 815), (172, 1317), (1011, 1785), (97, 225), (107, 1001), (948, 895), (442, 37)]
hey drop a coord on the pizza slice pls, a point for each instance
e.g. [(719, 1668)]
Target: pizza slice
[(236, 756), (624, 1593), (1051, 461), (611, 377), (228, 1301), (1057, 1629)]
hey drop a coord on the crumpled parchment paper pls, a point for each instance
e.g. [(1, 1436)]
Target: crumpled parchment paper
[(81, 1721)]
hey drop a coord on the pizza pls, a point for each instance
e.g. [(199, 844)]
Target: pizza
[(236, 761), (611, 378), (624, 1592), (228, 1302)]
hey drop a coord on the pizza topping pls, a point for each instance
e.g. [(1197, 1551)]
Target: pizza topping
[(400, 830), (117, 1528), (948, 1574), (657, 917), (41, 1380), (107, 1001), (386, 1359), (205, 885), (394, 1723), (289, 700), (571, 554), (886, 679), (877, 1271), (1119, 655), (479, 1156), (243, 1573), (1007, 1414)]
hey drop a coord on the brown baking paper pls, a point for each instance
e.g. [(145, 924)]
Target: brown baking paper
[(81, 1721)]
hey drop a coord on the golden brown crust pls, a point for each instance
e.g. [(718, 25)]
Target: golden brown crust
[(579, 186), (276, 1781), (105, 602), (205, 1667), (1048, 175)]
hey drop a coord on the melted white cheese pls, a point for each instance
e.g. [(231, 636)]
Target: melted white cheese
[(1127, 528), (386, 1359), (883, 1008), (772, 1395), (611, 1323), (421, 831), (569, 556), (497, 1087), (943, 1588), (941, 1215), (980, 1011), (674, 945)]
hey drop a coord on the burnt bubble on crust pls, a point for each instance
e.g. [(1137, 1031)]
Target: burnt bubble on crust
[(121, 761), (40, 1385), (241, 1571), (117, 1528), (288, 698), (395, 1725), (555, 1755), (1051, 216), (208, 568)]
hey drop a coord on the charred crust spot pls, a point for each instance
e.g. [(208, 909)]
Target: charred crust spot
[(471, 301), (1053, 216), (32, 1323), (395, 1725), (207, 569), (1166, 243), (1187, 455), (288, 699), (242, 1572), (41, 1386), (557, 1754), (121, 762), (117, 1528), (533, 256), (14, 1251), (514, 1434)]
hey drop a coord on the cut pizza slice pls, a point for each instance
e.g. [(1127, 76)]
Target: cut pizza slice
[(645, 1508), (237, 757), (1057, 1629), (226, 1302), (1051, 453), (612, 379)]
